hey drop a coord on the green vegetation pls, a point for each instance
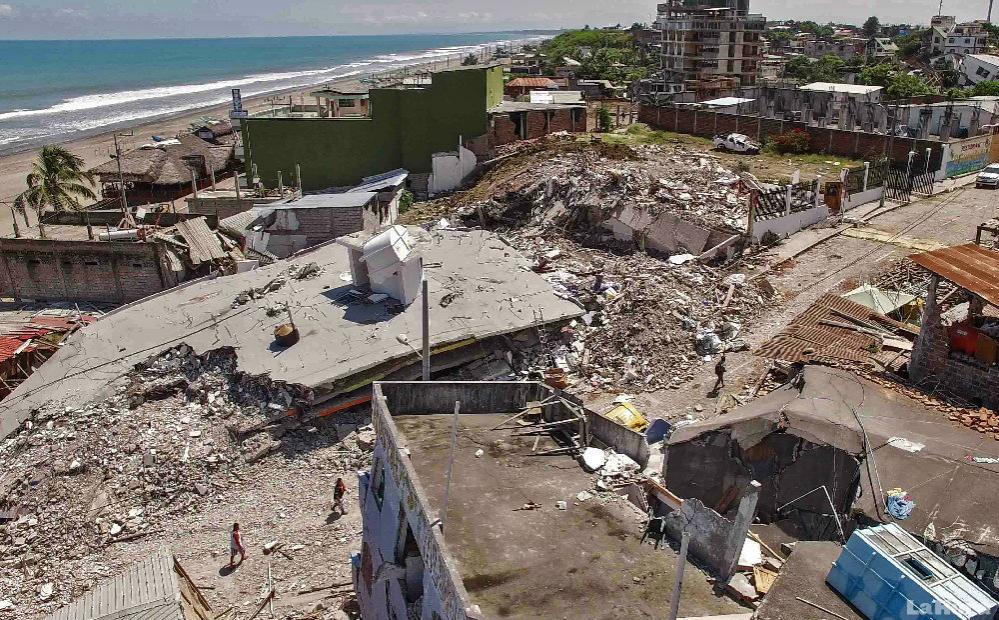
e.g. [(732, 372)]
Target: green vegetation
[(988, 88), (895, 79), (604, 54), (406, 200), (829, 68), (469, 60), (796, 141), (910, 45), (816, 29), (605, 121), (872, 26), (57, 179)]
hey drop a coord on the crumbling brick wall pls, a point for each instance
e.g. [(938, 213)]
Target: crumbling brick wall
[(931, 360), (105, 272)]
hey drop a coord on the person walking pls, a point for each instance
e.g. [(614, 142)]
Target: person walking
[(339, 491), (236, 546), (720, 373)]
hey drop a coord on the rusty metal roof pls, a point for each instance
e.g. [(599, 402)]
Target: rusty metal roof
[(969, 266), (808, 339), (147, 590), (532, 82)]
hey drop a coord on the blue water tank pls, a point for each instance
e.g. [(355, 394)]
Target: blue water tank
[(889, 575)]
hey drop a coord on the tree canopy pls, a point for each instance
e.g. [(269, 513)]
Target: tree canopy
[(604, 54), (872, 26), (829, 68), (895, 79)]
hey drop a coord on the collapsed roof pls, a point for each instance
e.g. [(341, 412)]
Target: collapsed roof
[(952, 473), (479, 288), (166, 164)]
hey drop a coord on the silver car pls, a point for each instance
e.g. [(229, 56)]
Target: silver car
[(989, 177)]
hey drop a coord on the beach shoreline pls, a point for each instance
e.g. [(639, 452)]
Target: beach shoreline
[(97, 147)]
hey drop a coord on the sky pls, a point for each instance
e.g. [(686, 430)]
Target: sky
[(109, 19)]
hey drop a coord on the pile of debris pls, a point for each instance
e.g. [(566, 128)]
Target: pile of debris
[(294, 272), (650, 324), (173, 434), (576, 189)]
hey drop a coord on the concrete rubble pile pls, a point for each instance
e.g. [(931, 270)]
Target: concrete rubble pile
[(650, 324), (580, 189), (173, 434)]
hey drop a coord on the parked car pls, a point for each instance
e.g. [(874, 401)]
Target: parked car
[(736, 143), (988, 177)]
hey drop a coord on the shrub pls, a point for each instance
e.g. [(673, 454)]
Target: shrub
[(406, 200), (605, 121), (794, 141)]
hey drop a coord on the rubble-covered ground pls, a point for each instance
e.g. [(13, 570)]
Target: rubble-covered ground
[(652, 322), (176, 453)]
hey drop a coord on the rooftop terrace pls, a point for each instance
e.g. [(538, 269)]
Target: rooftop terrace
[(541, 563)]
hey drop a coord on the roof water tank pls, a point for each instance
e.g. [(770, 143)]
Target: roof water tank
[(387, 249)]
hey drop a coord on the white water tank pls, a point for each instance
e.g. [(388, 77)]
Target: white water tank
[(393, 267)]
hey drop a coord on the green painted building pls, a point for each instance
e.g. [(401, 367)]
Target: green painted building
[(406, 125)]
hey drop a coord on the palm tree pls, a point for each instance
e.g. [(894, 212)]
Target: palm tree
[(58, 180)]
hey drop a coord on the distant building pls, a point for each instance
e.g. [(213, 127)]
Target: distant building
[(406, 124), (845, 48), (520, 86), (977, 68), (967, 38), (881, 48), (846, 93), (704, 40)]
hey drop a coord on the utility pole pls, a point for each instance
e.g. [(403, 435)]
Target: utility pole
[(989, 18), (426, 329), (681, 563), (121, 177)]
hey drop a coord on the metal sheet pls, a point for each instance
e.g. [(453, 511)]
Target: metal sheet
[(969, 266), (203, 245)]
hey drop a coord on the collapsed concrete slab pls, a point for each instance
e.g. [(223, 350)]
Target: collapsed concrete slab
[(480, 288)]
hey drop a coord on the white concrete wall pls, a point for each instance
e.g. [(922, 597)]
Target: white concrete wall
[(786, 225), (861, 198), (450, 169)]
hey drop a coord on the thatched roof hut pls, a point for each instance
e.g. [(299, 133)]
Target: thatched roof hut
[(167, 163)]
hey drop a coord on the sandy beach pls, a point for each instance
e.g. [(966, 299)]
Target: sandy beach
[(97, 149)]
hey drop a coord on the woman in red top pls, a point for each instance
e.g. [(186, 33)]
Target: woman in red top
[(339, 490), (236, 545)]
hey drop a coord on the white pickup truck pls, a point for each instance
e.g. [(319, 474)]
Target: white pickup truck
[(736, 143)]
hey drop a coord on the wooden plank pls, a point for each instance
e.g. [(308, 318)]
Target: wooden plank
[(764, 579)]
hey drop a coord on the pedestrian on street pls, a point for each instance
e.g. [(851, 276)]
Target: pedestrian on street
[(236, 546), (339, 491), (720, 373)]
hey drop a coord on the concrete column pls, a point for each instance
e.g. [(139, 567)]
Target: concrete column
[(945, 130), (842, 120), (740, 527), (867, 173), (806, 115), (920, 364)]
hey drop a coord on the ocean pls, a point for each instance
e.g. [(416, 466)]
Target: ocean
[(53, 91)]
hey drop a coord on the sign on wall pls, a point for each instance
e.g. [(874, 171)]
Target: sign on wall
[(968, 155)]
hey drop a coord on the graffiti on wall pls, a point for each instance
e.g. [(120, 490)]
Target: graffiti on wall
[(968, 155), (441, 574)]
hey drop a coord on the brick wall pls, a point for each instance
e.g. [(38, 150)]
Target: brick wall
[(94, 271), (539, 123), (931, 360), (854, 144)]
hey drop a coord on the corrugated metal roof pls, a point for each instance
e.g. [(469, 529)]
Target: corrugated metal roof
[(969, 266), (203, 245), (381, 181), (327, 201), (532, 82), (147, 590), (828, 343)]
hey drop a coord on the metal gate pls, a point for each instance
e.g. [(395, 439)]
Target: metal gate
[(923, 183), (898, 183)]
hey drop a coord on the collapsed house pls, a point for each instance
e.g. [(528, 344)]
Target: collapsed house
[(120, 264), (28, 338), (280, 228), (962, 356), (475, 489), (483, 301), (833, 451)]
